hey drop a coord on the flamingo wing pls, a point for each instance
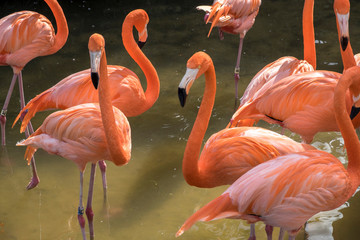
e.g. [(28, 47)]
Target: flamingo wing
[(77, 133), (24, 35), (231, 152), (272, 73)]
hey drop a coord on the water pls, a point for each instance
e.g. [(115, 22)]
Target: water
[(148, 198)]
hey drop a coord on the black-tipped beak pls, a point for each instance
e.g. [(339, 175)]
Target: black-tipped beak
[(141, 44), (182, 96), (95, 79), (354, 112), (344, 41)]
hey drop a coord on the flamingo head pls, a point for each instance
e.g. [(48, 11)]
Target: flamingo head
[(140, 19), (342, 12), (196, 66), (96, 47)]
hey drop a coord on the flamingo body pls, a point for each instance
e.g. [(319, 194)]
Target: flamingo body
[(283, 192), (77, 134), (233, 16), (273, 72), (302, 103), (230, 153)]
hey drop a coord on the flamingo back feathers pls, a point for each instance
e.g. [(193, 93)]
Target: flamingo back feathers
[(23, 36)]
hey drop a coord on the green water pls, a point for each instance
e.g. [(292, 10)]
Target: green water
[(148, 198)]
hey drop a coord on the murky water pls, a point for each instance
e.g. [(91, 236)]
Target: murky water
[(148, 198)]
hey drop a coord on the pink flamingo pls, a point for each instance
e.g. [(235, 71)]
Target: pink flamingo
[(88, 132), (231, 152), (126, 92), (285, 66), (286, 191), (26, 35), (303, 102), (234, 17)]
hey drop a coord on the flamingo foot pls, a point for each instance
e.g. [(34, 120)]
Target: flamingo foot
[(102, 166), (81, 220), (33, 182), (269, 230)]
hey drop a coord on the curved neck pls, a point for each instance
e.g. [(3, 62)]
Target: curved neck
[(61, 25), (351, 140), (308, 33), (152, 79), (190, 166), (118, 155)]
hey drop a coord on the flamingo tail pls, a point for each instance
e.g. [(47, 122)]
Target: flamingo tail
[(220, 207), (246, 115), (37, 104)]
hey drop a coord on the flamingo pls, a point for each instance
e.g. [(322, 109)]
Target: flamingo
[(126, 92), (24, 36), (286, 191), (286, 66), (234, 17), (87, 132), (303, 102), (231, 152)]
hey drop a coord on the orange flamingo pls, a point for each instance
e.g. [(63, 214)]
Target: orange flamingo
[(288, 65), (88, 132), (234, 17), (288, 190), (126, 92), (303, 102), (229, 153), (26, 35)]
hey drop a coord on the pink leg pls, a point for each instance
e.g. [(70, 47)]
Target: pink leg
[(89, 211), (81, 208), (269, 230), (29, 130), (252, 232), (4, 109), (102, 166), (281, 234), (237, 70)]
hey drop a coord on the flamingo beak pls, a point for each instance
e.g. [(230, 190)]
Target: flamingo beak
[(142, 37), (182, 96), (343, 22), (186, 83), (95, 66), (354, 112)]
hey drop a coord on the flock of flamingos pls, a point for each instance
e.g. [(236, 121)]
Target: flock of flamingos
[(273, 178)]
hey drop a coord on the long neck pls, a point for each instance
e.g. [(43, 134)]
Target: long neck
[(118, 155), (61, 25), (308, 33), (190, 166), (152, 79), (348, 132)]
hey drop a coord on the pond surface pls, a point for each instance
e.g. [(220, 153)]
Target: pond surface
[(148, 198)]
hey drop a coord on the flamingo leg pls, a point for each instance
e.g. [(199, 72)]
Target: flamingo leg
[(102, 166), (29, 130), (89, 211), (269, 230), (292, 237), (237, 70), (281, 234), (4, 109), (252, 232), (81, 207)]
